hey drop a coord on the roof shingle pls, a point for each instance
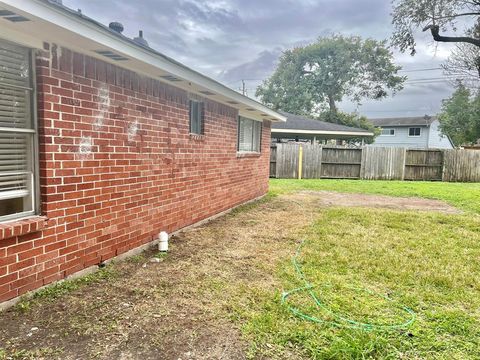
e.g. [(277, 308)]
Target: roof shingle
[(298, 122), (404, 121)]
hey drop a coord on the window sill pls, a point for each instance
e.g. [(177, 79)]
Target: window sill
[(22, 226), (248, 154), (197, 137)]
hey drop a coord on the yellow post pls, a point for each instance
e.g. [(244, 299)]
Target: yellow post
[(300, 162)]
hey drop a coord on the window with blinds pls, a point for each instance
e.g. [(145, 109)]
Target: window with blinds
[(17, 133), (249, 135), (196, 117)]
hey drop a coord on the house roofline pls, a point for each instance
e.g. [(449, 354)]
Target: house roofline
[(320, 132), (409, 125), (93, 31)]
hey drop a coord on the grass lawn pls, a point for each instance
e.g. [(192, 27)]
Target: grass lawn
[(426, 261), (461, 195), (218, 292)]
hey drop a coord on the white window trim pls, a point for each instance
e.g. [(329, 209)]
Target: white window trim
[(415, 127), (389, 135), (246, 152), (34, 152), (201, 107)]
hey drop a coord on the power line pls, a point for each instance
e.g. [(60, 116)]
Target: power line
[(445, 78), (429, 82), (419, 70), (237, 81), (403, 70), (406, 71), (392, 111), (448, 77)]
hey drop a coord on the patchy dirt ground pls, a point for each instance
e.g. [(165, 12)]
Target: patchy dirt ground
[(177, 307), (381, 201)]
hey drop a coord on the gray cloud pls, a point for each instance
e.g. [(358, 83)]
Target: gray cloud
[(256, 69), (231, 40)]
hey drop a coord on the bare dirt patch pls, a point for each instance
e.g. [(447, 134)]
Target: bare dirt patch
[(329, 198), (179, 307)]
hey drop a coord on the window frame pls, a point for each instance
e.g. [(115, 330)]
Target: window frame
[(201, 109), (33, 143), (413, 128), (260, 132), (390, 134)]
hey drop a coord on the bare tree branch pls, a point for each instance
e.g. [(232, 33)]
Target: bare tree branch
[(435, 30)]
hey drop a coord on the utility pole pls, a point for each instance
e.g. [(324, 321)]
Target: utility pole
[(244, 90)]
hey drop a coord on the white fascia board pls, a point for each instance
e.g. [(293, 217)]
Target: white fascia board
[(320, 132), (395, 126), (83, 28)]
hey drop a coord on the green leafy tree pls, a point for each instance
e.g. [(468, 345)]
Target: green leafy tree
[(460, 116), (438, 17), (316, 77), (353, 120)]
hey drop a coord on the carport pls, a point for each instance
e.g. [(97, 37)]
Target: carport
[(299, 128)]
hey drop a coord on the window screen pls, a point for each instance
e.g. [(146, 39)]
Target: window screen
[(249, 135), (196, 117), (17, 133)]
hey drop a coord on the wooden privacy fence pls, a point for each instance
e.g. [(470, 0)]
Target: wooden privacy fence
[(373, 163)]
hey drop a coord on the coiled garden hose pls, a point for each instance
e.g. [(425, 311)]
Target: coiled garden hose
[(340, 320)]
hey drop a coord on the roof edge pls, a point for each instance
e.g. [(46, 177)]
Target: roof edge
[(322, 132), (83, 26), (401, 126), (401, 121)]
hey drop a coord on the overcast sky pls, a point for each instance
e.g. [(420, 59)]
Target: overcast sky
[(231, 40)]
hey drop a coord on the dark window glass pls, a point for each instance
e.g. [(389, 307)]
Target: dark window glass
[(416, 131), (196, 117)]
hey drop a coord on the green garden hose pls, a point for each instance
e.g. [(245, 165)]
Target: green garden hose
[(340, 320)]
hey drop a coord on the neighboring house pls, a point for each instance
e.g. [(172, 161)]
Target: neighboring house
[(300, 128), (411, 132), (105, 142)]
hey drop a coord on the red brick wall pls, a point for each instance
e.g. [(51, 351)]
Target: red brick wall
[(117, 166)]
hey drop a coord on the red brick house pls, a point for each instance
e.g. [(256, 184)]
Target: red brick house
[(105, 142)]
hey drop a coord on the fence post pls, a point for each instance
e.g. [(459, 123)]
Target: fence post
[(300, 162), (362, 162), (404, 163), (443, 164)]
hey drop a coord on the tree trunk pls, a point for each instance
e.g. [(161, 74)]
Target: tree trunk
[(332, 105)]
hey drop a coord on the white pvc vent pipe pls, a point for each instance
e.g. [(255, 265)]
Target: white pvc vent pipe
[(163, 244)]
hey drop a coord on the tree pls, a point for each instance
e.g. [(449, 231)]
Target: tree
[(464, 60), (311, 79), (353, 120), (436, 16), (460, 116)]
